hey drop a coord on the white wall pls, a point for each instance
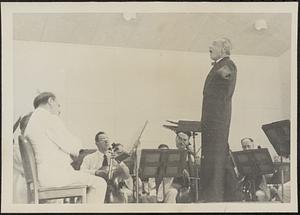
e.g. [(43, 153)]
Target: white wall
[(257, 99), (118, 89), (285, 71)]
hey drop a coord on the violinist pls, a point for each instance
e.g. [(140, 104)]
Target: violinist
[(183, 183), (262, 191), (99, 163)]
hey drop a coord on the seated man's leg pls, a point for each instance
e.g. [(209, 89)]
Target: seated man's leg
[(261, 196), (96, 186), (274, 194), (171, 195), (65, 177), (147, 199)]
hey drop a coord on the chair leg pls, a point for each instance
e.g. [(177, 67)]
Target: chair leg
[(83, 199), (73, 200)]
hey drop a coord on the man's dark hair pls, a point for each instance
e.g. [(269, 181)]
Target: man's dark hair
[(163, 146), (99, 133), (247, 138), (42, 98), (24, 121), (185, 132)]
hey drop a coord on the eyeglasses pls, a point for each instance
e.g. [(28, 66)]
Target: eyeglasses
[(182, 138), (103, 140)]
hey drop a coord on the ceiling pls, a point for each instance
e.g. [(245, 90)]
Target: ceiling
[(191, 32)]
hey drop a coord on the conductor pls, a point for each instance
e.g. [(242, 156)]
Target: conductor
[(218, 181)]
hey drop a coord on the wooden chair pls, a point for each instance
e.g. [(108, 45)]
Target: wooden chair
[(37, 194)]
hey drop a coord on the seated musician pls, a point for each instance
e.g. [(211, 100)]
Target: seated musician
[(262, 191), (156, 186), (276, 189), (286, 193), (176, 189), (53, 144), (97, 164), (183, 182)]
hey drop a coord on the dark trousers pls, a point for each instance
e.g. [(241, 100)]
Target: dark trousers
[(221, 185)]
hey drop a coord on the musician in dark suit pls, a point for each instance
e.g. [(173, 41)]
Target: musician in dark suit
[(218, 182), (263, 192), (186, 187)]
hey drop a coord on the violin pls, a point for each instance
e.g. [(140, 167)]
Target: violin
[(187, 187), (246, 190), (114, 175)]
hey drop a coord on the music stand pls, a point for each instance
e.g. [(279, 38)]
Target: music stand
[(278, 134), (252, 163), (161, 163), (276, 178)]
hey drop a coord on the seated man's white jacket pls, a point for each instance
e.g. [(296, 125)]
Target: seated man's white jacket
[(93, 162), (53, 144)]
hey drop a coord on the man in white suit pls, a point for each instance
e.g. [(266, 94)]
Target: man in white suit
[(53, 145)]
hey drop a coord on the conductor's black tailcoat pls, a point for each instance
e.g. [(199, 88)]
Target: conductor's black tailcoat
[(217, 178)]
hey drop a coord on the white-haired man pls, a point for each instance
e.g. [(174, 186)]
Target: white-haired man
[(218, 181)]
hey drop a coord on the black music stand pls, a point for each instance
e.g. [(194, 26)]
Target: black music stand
[(278, 134), (188, 126), (276, 178), (161, 163), (253, 163)]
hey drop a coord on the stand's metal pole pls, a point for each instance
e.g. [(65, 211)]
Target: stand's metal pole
[(282, 178), (137, 177), (253, 194), (136, 145), (196, 169), (164, 191)]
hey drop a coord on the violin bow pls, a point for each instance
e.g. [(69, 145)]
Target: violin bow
[(135, 145), (134, 152)]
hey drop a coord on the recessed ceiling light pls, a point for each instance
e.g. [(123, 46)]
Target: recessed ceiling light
[(260, 24), (129, 16)]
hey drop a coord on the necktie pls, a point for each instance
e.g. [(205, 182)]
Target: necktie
[(104, 162)]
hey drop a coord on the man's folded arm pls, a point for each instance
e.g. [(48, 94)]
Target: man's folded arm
[(227, 72), (59, 134)]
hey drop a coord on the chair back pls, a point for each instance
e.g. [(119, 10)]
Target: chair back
[(30, 169)]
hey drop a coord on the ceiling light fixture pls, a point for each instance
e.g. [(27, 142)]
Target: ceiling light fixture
[(260, 24), (129, 16)]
